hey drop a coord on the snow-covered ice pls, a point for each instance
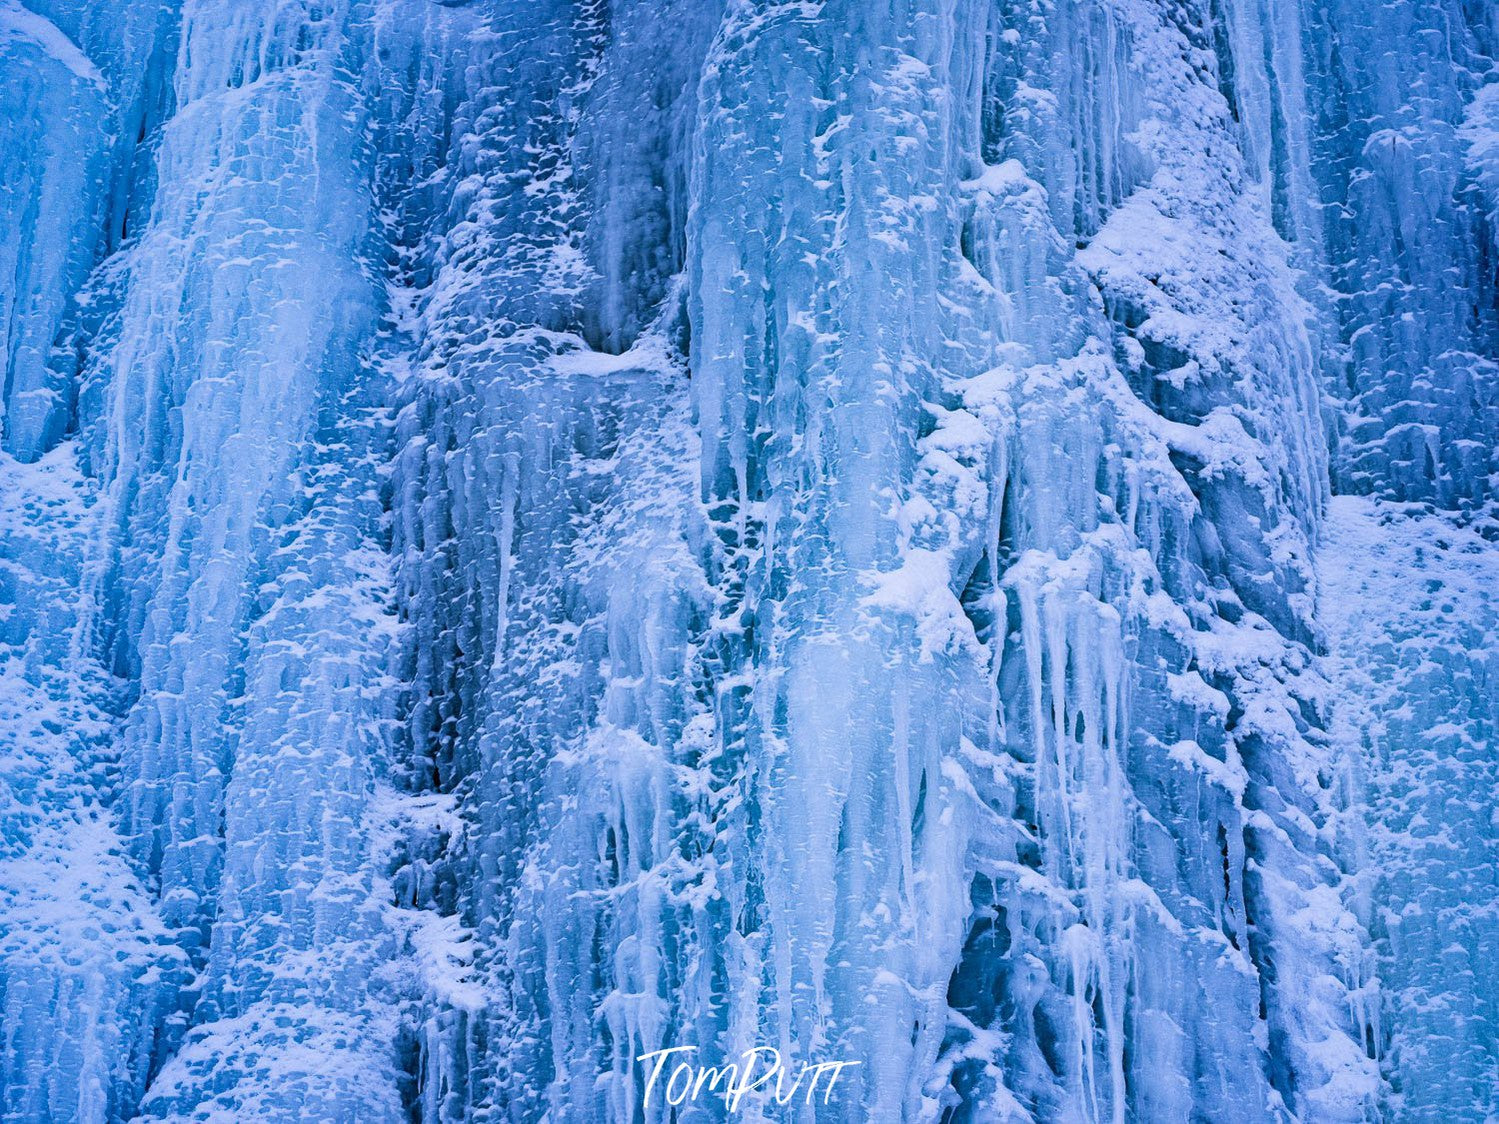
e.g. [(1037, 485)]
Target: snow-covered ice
[(950, 536)]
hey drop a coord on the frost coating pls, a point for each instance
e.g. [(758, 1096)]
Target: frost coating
[(1412, 625), (89, 976), (589, 529)]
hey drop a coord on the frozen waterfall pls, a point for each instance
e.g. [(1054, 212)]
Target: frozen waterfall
[(555, 553)]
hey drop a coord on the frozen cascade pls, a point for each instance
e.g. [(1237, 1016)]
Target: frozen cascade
[(535, 532), (1412, 623), (234, 581), (549, 654), (1411, 247), (78, 92), (1404, 162), (88, 973)]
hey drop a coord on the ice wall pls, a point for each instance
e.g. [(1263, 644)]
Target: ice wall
[(1412, 624), (859, 746), (543, 499), (235, 576), (542, 531), (1402, 155), (89, 976), (79, 89), (1410, 245)]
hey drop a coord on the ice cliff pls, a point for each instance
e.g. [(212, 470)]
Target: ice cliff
[(951, 535)]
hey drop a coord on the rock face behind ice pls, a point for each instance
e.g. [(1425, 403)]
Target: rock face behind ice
[(954, 536)]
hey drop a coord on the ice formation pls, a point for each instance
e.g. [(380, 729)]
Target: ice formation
[(954, 536)]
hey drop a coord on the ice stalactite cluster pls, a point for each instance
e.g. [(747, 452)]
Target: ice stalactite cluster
[(950, 535)]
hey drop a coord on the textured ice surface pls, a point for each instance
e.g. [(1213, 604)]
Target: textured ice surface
[(953, 535), (1410, 615)]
